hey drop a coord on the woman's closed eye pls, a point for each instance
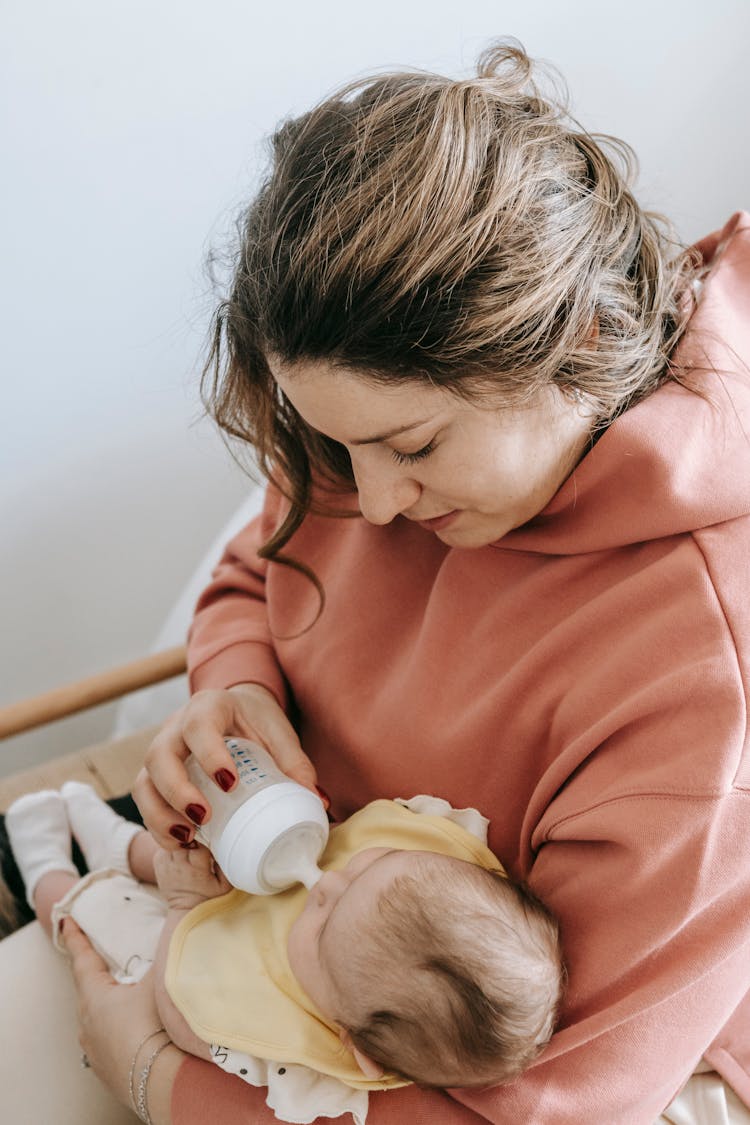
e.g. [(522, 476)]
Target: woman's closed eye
[(411, 458)]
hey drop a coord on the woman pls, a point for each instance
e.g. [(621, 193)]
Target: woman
[(501, 560)]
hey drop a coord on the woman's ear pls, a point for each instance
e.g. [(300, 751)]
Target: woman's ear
[(368, 1066)]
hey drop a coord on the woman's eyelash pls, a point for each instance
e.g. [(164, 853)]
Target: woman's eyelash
[(410, 458)]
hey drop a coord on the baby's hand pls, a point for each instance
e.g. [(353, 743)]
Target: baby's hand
[(189, 877)]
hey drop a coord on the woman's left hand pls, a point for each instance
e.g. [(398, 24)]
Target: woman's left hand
[(113, 1020)]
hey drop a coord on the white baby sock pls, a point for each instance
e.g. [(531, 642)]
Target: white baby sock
[(103, 836), (39, 835)]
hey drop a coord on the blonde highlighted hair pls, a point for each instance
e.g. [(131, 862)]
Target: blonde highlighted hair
[(465, 233)]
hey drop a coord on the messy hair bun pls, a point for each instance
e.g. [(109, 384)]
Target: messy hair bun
[(466, 233)]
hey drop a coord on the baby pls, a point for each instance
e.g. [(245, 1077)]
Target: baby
[(427, 967)]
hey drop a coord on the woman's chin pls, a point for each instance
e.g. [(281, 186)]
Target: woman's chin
[(473, 533)]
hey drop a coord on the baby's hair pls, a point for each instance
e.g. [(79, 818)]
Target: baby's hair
[(479, 982)]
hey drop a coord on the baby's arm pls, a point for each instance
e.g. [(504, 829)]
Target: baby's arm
[(185, 879)]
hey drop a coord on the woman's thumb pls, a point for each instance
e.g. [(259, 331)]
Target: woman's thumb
[(85, 961)]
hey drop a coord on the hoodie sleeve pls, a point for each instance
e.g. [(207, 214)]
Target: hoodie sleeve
[(202, 1092), (654, 899), (643, 857), (230, 638)]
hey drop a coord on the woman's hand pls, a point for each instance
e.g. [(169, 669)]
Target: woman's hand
[(170, 805), (113, 1020)]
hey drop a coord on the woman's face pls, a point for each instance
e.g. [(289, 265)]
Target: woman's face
[(469, 474)]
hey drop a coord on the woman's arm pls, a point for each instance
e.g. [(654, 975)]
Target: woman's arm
[(230, 634), (116, 1028), (238, 688), (114, 1019), (202, 1091)]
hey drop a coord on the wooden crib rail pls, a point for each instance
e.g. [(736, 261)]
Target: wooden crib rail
[(100, 688)]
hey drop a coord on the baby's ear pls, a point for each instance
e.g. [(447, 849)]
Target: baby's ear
[(368, 1066)]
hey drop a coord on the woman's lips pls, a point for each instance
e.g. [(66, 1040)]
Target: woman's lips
[(440, 522)]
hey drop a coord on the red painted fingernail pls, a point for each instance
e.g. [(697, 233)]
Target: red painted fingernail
[(324, 797), (60, 927), (224, 779), (190, 845), (180, 832), (196, 813)]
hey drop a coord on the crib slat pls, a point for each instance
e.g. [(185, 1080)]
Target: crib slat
[(71, 698)]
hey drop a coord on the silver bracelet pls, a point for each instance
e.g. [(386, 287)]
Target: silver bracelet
[(142, 1107), (131, 1076)]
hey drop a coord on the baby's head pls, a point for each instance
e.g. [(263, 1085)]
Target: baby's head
[(435, 969)]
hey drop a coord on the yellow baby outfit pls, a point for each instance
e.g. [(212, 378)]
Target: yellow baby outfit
[(228, 972)]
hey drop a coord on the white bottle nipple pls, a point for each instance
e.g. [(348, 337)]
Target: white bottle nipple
[(291, 858)]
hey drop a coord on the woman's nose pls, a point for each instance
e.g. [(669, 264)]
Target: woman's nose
[(383, 495)]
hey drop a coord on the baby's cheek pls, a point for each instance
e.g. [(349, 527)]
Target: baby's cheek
[(295, 943)]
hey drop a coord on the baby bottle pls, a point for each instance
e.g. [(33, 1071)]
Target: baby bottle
[(269, 832)]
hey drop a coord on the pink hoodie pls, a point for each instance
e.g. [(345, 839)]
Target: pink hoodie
[(583, 682)]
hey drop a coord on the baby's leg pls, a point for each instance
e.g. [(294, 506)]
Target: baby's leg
[(50, 890), (39, 835), (143, 848), (105, 838)]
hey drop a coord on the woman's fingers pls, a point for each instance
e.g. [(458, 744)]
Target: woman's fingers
[(169, 827), (170, 804), (85, 963), (208, 719), (113, 1019), (262, 718), (198, 728)]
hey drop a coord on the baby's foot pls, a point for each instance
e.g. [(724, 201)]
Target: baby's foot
[(103, 836), (39, 834)]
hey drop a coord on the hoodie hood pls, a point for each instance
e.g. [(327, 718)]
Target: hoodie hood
[(680, 460)]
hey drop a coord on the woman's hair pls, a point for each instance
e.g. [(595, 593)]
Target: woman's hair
[(463, 233), (457, 976)]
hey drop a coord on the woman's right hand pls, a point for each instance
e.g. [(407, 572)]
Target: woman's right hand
[(162, 789)]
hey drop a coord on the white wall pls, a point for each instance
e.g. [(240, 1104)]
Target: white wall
[(131, 135)]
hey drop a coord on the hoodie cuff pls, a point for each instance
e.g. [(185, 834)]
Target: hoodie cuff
[(246, 663)]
